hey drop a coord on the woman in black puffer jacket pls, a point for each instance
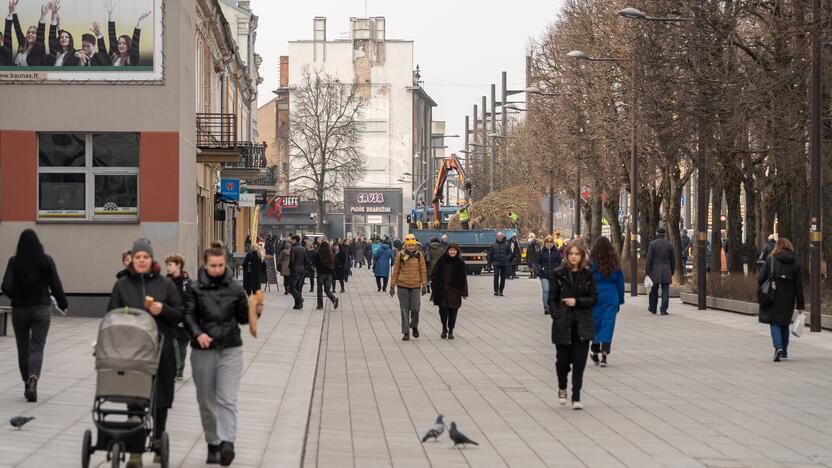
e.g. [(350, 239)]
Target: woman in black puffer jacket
[(145, 281), (216, 308), (572, 294), (784, 271)]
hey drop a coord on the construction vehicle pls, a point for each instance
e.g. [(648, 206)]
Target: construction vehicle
[(473, 244)]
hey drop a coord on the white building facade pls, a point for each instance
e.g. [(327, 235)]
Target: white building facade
[(384, 71)]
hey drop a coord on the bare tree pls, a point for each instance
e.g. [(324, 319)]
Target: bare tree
[(325, 139)]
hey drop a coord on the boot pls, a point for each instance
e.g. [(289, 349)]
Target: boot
[(226, 453), (32, 389), (213, 455)]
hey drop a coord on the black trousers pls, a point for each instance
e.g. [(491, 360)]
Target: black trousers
[(31, 325), (325, 287), (287, 285), (340, 280), (380, 280), (500, 273), (311, 283), (448, 317), (572, 357), (296, 287)]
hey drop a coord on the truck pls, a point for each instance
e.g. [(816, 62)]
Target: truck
[(473, 244)]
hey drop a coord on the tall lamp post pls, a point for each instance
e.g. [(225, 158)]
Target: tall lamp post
[(815, 228)]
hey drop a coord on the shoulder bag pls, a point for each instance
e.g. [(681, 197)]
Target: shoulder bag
[(766, 292)]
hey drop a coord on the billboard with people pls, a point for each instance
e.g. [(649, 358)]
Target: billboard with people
[(78, 40)]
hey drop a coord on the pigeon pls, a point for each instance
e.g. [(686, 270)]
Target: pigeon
[(458, 437), (436, 430), (20, 421)]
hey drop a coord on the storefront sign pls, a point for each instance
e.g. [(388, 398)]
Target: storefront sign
[(374, 219), (290, 202), (370, 197), (370, 209), (247, 200)]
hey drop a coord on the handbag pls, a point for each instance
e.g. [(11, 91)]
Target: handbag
[(766, 293), (798, 324), (648, 282)]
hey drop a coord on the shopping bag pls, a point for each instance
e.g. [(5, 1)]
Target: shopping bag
[(648, 282), (798, 324)]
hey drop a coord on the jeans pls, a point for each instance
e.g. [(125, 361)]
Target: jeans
[(544, 285), (381, 282), (217, 375), (654, 297), (325, 283), (572, 356), (448, 317), (409, 303), (500, 273), (31, 325), (780, 337), (296, 290)]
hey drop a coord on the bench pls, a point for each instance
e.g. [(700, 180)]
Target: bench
[(5, 311)]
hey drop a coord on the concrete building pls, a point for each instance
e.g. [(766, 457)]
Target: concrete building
[(396, 121), (93, 165)]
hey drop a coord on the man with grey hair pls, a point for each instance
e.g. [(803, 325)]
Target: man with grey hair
[(499, 259), (660, 267)]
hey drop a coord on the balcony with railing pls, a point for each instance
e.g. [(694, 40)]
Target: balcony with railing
[(251, 164), (216, 138)]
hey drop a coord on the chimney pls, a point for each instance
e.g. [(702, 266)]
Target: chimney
[(284, 71), (319, 33)]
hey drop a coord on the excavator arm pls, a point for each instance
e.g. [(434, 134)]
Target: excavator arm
[(448, 165)]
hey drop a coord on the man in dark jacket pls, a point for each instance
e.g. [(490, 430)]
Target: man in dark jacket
[(297, 270), (685, 240), (499, 259), (660, 267)]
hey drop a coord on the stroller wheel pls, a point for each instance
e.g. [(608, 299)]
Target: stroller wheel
[(115, 455), (164, 450), (86, 449)]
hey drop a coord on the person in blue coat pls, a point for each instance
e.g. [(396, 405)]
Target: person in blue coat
[(606, 268), (382, 260)]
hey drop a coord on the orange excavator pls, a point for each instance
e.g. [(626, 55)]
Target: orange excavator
[(448, 165)]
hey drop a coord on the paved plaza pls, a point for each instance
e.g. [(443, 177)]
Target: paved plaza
[(694, 389)]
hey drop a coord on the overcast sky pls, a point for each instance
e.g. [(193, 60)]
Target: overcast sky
[(460, 45)]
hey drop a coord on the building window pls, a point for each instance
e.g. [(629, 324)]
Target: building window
[(88, 176)]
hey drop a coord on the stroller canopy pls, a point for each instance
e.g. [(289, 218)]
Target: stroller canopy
[(127, 340)]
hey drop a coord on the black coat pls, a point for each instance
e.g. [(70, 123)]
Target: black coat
[(297, 259), (341, 265), (661, 264), (546, 261), (583, 289), (788, 293), (34, 294), (321, 267), (183, 284), (254, 269), (449, 282), (130, 291), (516, 253), (532, 248), (500, 253), (217, 307)]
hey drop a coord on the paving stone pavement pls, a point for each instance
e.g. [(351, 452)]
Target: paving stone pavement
[(273, 404), (693, 389)]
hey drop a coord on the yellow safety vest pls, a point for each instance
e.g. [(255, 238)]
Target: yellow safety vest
[(464, 215), (513, 217)]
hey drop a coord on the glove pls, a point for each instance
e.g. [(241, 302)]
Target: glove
[(392, 291), (424, 290)]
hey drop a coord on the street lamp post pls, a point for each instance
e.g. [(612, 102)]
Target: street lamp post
[(815, 228)]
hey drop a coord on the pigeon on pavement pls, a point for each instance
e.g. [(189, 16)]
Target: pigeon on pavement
[(436, 430), (458, 437), (19, 421)]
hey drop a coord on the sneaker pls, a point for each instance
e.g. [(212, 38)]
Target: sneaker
[(496, 293), (577, 405), (406, 337), (415, 332), (778, 355), (594, 357), (444, 334), (134, 461), (665, 313), (335, 303), (501, 294), (226, 453), (562, 397), (603, 360), (213, 455), (450, 335)]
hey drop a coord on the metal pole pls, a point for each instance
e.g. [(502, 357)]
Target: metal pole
[(551, 201), (484, 141), (467, 143), (633, 185), (493, 131), (815, 176), (503, 99)]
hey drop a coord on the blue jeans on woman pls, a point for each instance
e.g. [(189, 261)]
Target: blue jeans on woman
[(780, 338), (544, 285)]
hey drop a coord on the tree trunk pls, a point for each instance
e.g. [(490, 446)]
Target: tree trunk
[(716, 227), (673, 214), (751, 201), (595, 211), (734, 253), (321, 212), (612, 206)]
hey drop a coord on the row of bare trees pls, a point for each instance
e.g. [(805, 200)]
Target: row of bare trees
[(731, 85)]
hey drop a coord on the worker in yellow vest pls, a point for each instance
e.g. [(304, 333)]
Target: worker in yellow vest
[(512, 216), (464, 214)]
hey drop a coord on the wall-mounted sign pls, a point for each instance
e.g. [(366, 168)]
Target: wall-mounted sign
[(370, 197), (82, 45), (247, 200), (290, 202), (374, 219), (230, 188)]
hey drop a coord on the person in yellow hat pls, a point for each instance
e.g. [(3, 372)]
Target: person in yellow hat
[(410, 275)]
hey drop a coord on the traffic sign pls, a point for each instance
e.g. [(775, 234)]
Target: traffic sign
[(545, 204)]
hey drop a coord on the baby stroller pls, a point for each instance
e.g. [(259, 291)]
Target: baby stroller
[(126, 361)]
